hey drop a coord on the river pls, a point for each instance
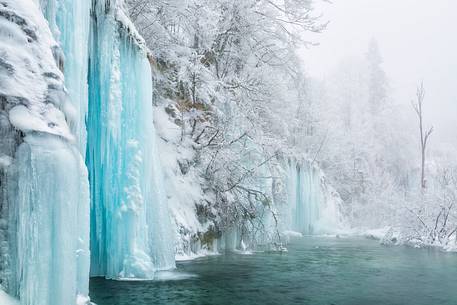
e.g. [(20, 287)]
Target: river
[(314, 271)]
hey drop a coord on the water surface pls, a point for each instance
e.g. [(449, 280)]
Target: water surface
[(315, 271)]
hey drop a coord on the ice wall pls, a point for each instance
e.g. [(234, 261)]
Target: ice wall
[(44, 186), (131, 235)]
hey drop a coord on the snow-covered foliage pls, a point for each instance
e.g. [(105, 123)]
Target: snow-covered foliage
[(227, 74), (230, 74)]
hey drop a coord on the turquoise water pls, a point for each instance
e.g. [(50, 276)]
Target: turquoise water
[(315, 271)]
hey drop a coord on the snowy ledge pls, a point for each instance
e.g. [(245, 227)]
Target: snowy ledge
[(131, 30)]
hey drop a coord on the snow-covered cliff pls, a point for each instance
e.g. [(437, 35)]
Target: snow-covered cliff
[(284, 198)]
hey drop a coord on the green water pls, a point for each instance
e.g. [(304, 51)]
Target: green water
[(315, 271)]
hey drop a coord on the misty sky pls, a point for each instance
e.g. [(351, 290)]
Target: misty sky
[(418, 41)]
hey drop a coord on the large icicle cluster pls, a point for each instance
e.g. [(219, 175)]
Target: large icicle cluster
[(44, 189), (131, 235)]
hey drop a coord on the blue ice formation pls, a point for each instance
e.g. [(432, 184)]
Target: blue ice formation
[(66, 67), (131, 235)]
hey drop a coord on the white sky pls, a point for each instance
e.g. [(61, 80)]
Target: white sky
[(418, 41)]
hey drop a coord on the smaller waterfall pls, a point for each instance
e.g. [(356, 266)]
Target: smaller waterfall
[(304, 197), (259, 231), (312, 207)]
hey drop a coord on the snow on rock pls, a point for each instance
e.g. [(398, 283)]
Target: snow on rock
[(83, 300), (182, 184), (292, 234), (377, 234), (451, 246), (27, 120), (31, 84)]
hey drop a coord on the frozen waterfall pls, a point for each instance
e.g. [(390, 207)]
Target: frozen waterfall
[(52, 221), (131, 235), (312, 206), (44, 188), (304, 197)]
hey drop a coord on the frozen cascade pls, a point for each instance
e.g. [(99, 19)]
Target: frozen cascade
[(44, 219), (313, 207), (131, 235), (304, 197), (44, 190)]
